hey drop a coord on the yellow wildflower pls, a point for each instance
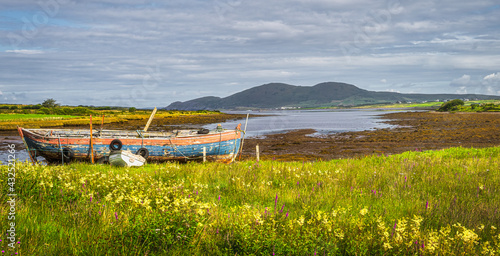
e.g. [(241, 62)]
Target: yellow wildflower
[(301, 220), (363, 211), (387, 246)]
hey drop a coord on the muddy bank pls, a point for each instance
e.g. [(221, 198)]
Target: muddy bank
[(416, 131)]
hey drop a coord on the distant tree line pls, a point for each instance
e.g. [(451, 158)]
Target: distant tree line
[(51, 107)]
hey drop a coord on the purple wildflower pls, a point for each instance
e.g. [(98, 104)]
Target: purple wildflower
[(276, 201), (116, 215), (219, 198), (394, 228), (282, 208), (286, 214), (426, 205)]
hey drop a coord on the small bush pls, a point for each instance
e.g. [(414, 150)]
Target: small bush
[(451, 105)]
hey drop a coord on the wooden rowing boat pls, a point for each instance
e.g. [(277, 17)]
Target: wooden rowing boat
[(65, 145)]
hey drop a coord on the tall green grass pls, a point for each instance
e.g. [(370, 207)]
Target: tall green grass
[(416, 203), (32, 117)]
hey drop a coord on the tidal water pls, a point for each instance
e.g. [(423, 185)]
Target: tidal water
[(271, 122), (323, 121)]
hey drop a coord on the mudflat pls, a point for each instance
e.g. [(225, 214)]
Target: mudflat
[(415, 131)]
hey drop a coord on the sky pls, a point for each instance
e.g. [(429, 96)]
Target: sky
[(147, 53)]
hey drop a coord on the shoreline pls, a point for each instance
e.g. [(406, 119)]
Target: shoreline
[(415, 131)]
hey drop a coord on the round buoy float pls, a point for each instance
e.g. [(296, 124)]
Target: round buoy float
[(115, 144), (144, 152), (68, 154)]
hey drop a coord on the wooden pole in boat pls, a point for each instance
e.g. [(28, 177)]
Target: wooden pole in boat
[(243, 140), (150, 120), (102, 123), (204, 154), (91, 142), (257, 152)]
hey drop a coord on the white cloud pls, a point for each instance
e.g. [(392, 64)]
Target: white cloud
[(419, 26), (25, 51), (462, 81), (490, 84), (493, 78)]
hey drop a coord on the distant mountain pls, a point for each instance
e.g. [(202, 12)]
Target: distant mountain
[(329, 94)]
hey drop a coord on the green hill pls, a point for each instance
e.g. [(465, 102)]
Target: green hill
[(329, 94)]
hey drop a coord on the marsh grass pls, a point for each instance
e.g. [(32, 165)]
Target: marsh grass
[(416, 203), (32, 117), (10, 121)]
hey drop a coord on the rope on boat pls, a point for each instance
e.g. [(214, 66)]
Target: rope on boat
[(60, 148), (234, 149), (176, 149), (220, 141), (180, 152)]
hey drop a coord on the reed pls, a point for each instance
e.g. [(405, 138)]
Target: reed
[(417, 203)]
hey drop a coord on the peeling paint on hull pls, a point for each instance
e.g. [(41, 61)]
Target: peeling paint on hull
[(183, 145)]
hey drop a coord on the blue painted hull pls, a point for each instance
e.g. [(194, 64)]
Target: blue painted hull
[(218, 146)]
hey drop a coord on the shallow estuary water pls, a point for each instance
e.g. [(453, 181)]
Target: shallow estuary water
[(323, 121)]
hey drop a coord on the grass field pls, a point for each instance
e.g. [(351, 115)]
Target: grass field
[(416, 203), (24, 117), (10, 119)]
